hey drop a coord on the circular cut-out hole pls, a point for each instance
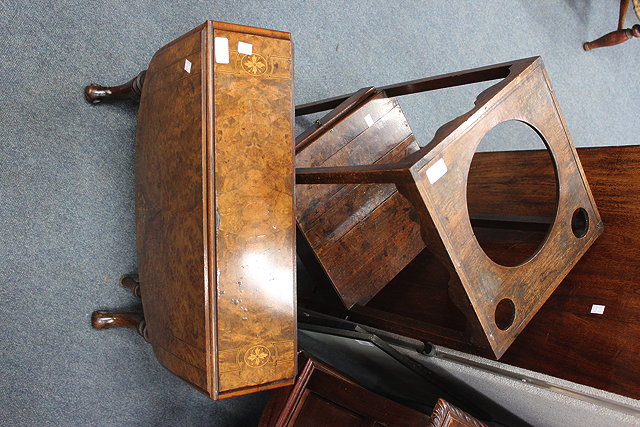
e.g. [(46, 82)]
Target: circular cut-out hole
[(580, 223), (512, 195), (505, 314)]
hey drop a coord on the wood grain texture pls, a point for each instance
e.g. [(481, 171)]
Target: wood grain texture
[(323, 396), (447, 415), (358, 232), (621, 35), (214, 206), (564, 339), (526, 97), (434, 180), (254, 210)]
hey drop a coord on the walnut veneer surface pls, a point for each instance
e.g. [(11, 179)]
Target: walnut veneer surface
[(214, 202)]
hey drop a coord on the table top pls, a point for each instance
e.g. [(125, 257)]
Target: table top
[(214, 203)]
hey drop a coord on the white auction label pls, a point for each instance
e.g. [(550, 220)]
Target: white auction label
[(221, 49), (369, 120), (245, 48), (187, 66), (597, 309), (436, 171)]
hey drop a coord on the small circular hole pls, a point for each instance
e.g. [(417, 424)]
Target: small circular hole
[(505, 314), (580, 223)]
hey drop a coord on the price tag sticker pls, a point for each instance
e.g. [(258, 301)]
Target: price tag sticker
[(221, 50), (245, 48), (436, 171), (368, 120)]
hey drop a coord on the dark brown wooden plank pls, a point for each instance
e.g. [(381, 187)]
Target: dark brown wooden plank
[(563, 339), (332, 217), (324, 396), (353, 203)]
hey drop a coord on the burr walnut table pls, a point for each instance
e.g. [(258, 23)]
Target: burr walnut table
[(214, 208)]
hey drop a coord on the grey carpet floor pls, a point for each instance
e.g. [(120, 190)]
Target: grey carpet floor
[(67, 168)]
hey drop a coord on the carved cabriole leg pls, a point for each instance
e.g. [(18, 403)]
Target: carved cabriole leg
[(457, 293), (613, 38), (130, 282), (96, 94), (104, 319)]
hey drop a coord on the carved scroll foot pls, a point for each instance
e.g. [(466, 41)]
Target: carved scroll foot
[(130, 281), (613, 38), (96, 94), (104, 319)]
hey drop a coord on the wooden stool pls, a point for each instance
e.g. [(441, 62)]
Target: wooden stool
[(433, 179), (214, 208)]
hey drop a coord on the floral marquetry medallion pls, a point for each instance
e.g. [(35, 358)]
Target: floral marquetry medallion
[(253, 64), (257, 356)]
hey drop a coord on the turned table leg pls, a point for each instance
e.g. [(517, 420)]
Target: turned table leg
[(614, 38), (104, 319), (130, 282), (96, 94)]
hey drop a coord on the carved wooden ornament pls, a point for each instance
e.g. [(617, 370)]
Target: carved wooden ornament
[(434, 180)]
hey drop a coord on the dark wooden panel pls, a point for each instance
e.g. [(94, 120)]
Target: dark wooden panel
[(323, 396), (315, 410), (354, 203), (351, 226), (563, 339)]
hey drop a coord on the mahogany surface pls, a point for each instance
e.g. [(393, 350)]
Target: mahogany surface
[(447, 415), (478, 286), (563, 339), (214, 204), (323, 396)]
